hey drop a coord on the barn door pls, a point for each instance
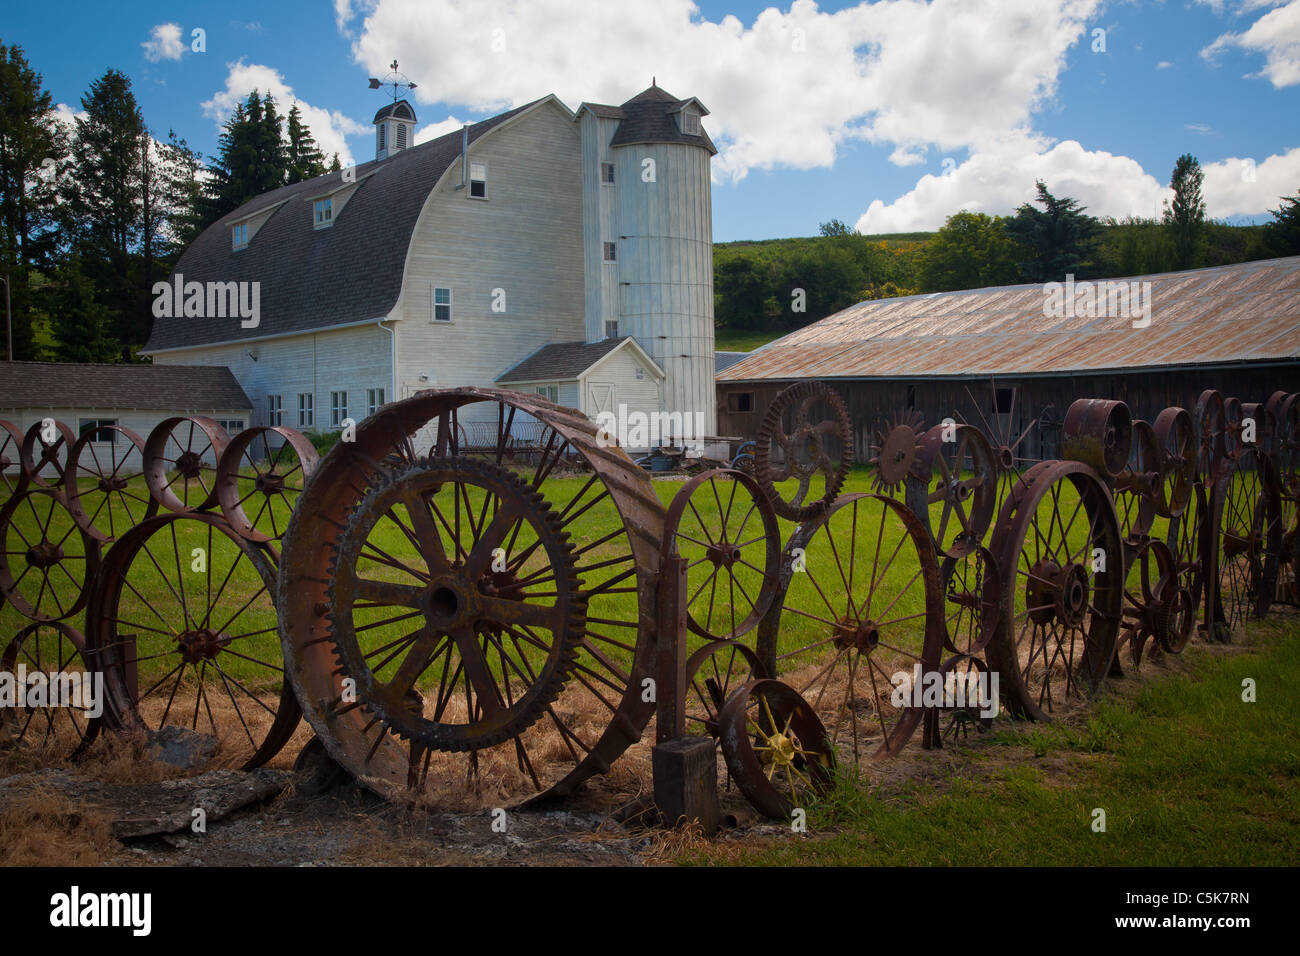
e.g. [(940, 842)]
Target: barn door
[(600, 398)]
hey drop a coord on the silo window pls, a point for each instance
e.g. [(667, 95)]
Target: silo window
[(477, 181), (607, 173), (740, 402), (690, 122), (611, 330), (611, 252)]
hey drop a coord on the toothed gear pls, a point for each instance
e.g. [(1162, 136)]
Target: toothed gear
[(896, 452), (807, 449), (467, 603)]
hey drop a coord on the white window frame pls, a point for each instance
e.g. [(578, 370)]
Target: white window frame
[(549, 392), (239, 236), (325, 204), (233, 426), (338, 407), (610, 253), (483, 180), (275, 409), (306, 410), (374, 400), (434, 303), (610, 168)]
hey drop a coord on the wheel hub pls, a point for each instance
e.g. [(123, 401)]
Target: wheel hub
[(724, 553), (446, 603), (1237, 542), (112, 483), (201, 644), (44, 554), (269, 483), (1072, 595), (189, 464), (863, 635)]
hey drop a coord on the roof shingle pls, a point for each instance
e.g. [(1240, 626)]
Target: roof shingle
[(172, 388)]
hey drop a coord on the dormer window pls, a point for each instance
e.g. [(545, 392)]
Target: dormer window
[(478, 181), (239, 235), (690, 122), (324, 212)]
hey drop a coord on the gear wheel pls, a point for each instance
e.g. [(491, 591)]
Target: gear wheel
[(479, 563), (808, 448), (895, 451)]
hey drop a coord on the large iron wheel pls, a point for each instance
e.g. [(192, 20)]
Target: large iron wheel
[(805, 436)]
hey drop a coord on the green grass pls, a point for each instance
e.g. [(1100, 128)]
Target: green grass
[(743, 340), (1187, 773)]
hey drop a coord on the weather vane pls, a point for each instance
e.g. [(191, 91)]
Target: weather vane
[(398, 81)]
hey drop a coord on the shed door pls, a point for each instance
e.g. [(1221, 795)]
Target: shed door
[(600, 398)]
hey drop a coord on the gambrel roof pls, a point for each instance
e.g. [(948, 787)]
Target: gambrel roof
[(315, 278)]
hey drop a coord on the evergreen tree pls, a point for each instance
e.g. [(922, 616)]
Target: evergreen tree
[(1282, 235), (82, 325), (304, 160), (1057, 240), (33, 155), (1185, 218), (252, 159)]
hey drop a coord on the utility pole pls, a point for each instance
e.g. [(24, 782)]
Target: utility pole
[(9, 321)]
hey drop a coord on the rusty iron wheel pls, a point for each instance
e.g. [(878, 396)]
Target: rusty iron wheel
[(775, 748), (13, 473), (600, 499), (1158, 612), (1137, 488), (47, 563), (183, 625), (1211, 425), (102, 497), (732, 548), (1099, 433), (1246, 524), (805, 435), (1187, 537), (46, 452), (1008, 448), (483, 593), (180, 462), (861, 601), (258, 480), (52, 647), (894, 453), (713, 674), (964, 706), (972, 589), (1059, 551), (1175, 437), (955, 469)]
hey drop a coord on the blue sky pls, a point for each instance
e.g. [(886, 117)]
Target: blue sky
[(889, 115)]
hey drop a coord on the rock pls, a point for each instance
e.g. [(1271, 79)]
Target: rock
[(179, 747), (151, 809), (317, 771)]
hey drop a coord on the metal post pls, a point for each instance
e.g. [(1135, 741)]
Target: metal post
[(9, 322), (670, 675)]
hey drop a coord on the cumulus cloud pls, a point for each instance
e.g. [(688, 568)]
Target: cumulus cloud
[(786, 90), (434, 130), (1275, 35), (329, 127), (164, 43)]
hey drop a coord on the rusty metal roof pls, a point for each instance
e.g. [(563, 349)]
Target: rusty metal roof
[(1248, 312)]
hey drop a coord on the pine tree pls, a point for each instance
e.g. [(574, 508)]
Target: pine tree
[(1185, 218), (1283, 234), (81, 324), (252, 159), (33, 154), (1057, 240), (305, 160)]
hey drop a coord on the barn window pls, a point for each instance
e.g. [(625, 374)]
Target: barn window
[(324, 212), (477, 181), (441, 305), (740, 401), (611, 330), (338, 408), (306, 410), (911, 396), (374, 400), (233, 426), (239, 235), (1003, 399), (102, 427), (607, 173), (274, 410), (611, 252), (549, 392)]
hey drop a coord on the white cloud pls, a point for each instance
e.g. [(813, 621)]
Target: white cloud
[(1201, 128), (164, 43), (1276, 35), (329, 127), (1164, 65), (786, 90), (434, 130), (998, 180)]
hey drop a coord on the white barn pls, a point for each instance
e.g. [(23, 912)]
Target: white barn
[(501, 254)]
